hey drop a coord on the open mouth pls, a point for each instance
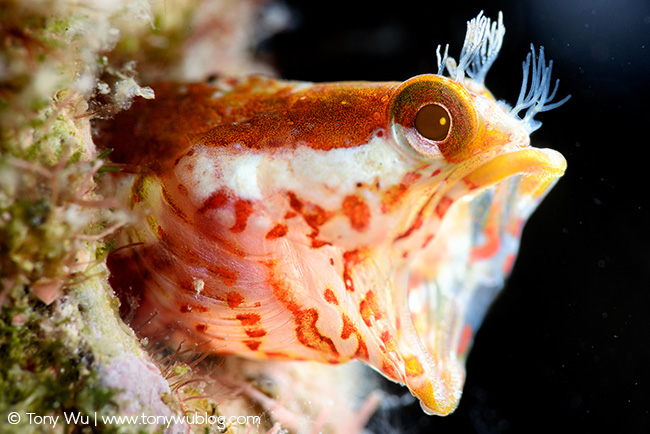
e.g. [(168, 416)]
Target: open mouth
[(455, 281)]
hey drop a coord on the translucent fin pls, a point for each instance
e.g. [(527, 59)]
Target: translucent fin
[(536, 98), (483, 41)]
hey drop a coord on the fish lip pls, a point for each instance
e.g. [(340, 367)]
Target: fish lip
[(539, 166)]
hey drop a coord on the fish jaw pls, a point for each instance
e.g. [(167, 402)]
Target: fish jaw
[(445, 291)]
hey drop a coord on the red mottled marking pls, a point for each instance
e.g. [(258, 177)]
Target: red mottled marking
[(465, 339), (278, 355), (243, 210), (330, 297), (419, 219), (314, 215), (388, 369), (427, 240), (315, 244), (234, 299), (308, 334), (350, 259), (248, 319), (290, 215), (255, 333), (435, 173), (369, 307), (201, 328), (227, 276), (332, 262), (306, 330), (389, 341), (443, 206), (252, 345), (491, 246), (350, 329), (217, 200), (185, 308), (294, 202), (277, 231), (395, 194), (357, 211)]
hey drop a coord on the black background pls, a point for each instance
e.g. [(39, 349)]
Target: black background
[(565, 348)]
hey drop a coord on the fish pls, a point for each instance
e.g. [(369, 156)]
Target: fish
[(330, 222)]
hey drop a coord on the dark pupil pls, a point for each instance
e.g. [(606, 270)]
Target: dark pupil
[(433, 122)]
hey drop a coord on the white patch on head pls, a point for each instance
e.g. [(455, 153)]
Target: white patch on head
[(324, 177), (330, 175), (240, 175), (200, 174)]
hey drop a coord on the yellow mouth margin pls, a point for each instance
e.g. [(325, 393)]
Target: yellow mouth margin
[(541, 168)]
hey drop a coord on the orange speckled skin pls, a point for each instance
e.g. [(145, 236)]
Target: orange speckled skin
[(302, 221)]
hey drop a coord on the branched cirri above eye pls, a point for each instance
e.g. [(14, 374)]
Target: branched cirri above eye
[(536, 99), (483, 41)]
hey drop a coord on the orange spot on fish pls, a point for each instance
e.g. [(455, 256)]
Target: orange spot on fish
[(388, 369), (350, 259), (413, 367), (252, 345), (255, 333), (330, 297), (234, 299), (357, 211), (308, 334), (277, 231), (305, 320), (216, 201), (369, 307), (243, 210), (395, 194), (443, 206), (350, 329), (248, 319)]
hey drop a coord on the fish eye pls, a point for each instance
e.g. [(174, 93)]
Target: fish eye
[(433, 122)]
